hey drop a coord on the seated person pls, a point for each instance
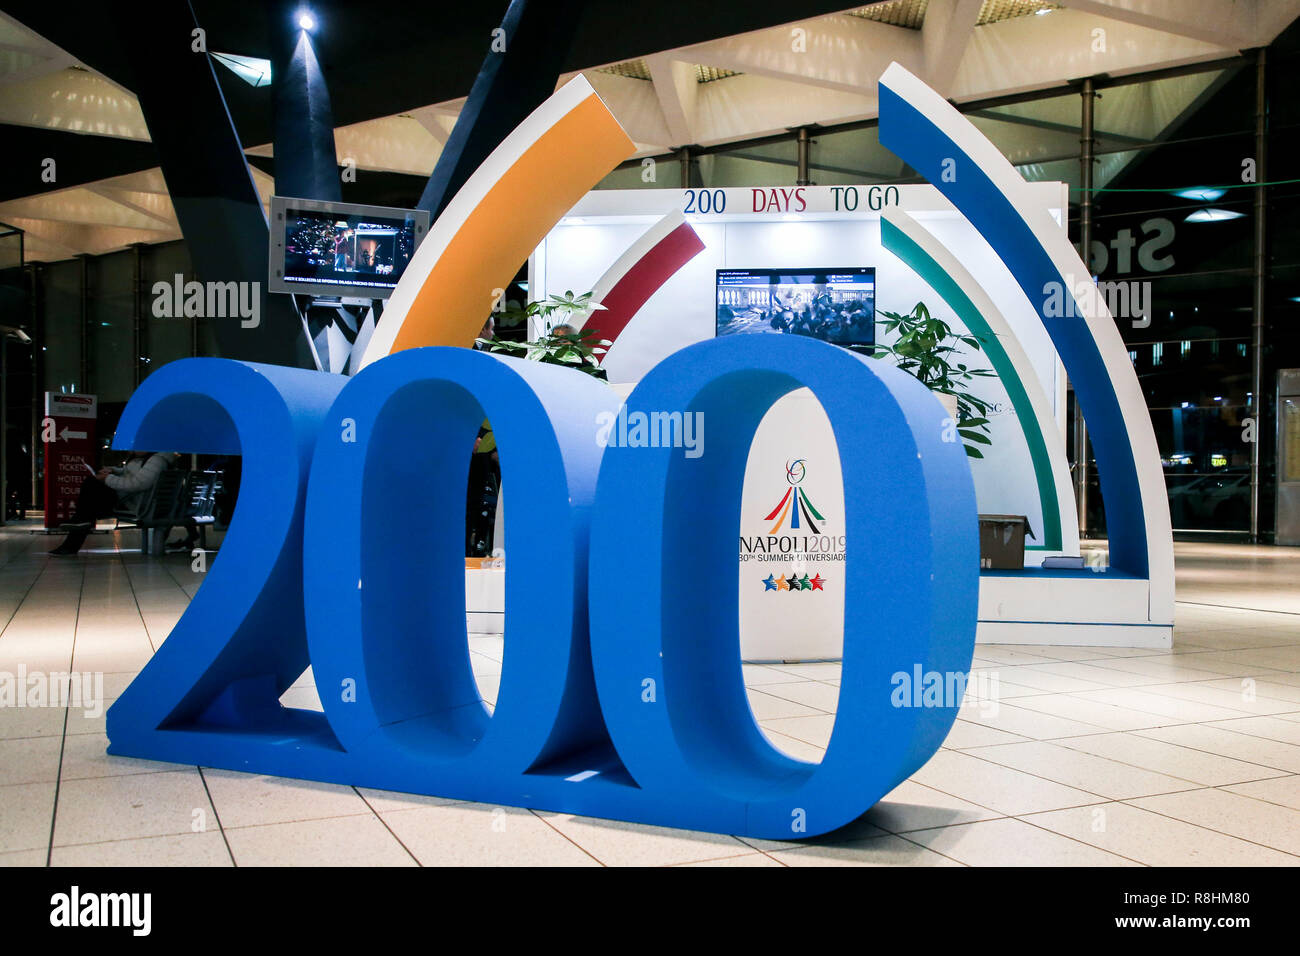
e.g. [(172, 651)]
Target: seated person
[(109, 489)]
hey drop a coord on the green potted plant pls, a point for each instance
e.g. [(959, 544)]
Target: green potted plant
[(561, 344), (928, 349)]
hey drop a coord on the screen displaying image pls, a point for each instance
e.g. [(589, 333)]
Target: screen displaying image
[(834, 305), (328, 249)]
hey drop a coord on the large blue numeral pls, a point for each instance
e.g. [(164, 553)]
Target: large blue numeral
[(644, 720), (242, 641), (385, 576), (910, 593)]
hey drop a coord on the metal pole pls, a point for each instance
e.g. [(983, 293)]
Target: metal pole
[(137, 313), (801, 176), (1086, 144), (684, 159), (38, 380), (1261, 265), (4, 426)]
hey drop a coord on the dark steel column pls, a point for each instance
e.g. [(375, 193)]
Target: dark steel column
[(804, 141), (139, 332), (1261, 267), (1086, 145)]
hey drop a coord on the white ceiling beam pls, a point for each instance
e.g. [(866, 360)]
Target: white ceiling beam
[(944, 35), (835, 52), (1226, 24), (678, 93), (636, 105), (1030, 53), (116, 196)]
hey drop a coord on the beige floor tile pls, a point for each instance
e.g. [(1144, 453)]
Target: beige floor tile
[(1265, 823), (1242, 699), (244, 800), (793, 747), (131, 806), (1154, 839), (758, 675), (913, 806), (616, 843), (1275, 689), (1031, 722), (30, 760), (86, 756), (886, 850), (815, 730), (1092, 713), (1284, 791), (747, 859), (19, 722), (966, 733), (1043, 681), (25, 820), (23, 858), (821, 671), (1204, 769), (189, 849), (1012, 843), (381, 801), (1173, 709), (335, 841), (1227, 743), (814, 694), (1092, 673), (766, 707), (999, 788), (1082, 771), (475, 834), (1270, 728), (851, 832)]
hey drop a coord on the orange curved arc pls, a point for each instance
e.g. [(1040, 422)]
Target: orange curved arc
[(508, 223)]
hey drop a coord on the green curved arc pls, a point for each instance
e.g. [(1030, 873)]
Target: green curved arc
[(924, 265)]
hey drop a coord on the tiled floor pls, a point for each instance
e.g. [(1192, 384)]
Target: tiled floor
[(1086, 756)]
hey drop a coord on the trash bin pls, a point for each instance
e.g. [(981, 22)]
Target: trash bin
[(1002, 542)]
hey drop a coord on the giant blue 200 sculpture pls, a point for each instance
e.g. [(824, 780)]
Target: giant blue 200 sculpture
[(621, 696)]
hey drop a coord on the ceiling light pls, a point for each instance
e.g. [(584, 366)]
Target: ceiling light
[(1213, 215), (1200, 193)]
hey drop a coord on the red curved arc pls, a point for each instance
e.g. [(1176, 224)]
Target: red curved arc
[(643, 280)]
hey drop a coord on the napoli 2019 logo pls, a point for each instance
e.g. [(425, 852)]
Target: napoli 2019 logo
[(795, 500)]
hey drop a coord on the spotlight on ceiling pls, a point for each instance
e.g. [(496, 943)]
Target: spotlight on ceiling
[(306, 21), (1200, 193), (1213, 215)]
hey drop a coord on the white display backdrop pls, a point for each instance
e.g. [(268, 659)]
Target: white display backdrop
[(598, 230)]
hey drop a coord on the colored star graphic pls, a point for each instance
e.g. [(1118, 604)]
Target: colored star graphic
[(804, 583), (782, 584), (792, 583), (816, 582), (770, 581)]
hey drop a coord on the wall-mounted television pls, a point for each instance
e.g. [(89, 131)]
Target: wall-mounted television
[(834, 305), (341, 249)]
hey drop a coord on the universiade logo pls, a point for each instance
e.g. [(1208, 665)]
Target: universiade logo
[(621, 692), (794, 501)]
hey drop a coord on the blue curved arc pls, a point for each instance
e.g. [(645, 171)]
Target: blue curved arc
[(918, 141)]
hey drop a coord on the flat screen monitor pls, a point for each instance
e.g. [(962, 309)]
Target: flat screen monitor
[(834, 305), (341, 249)]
